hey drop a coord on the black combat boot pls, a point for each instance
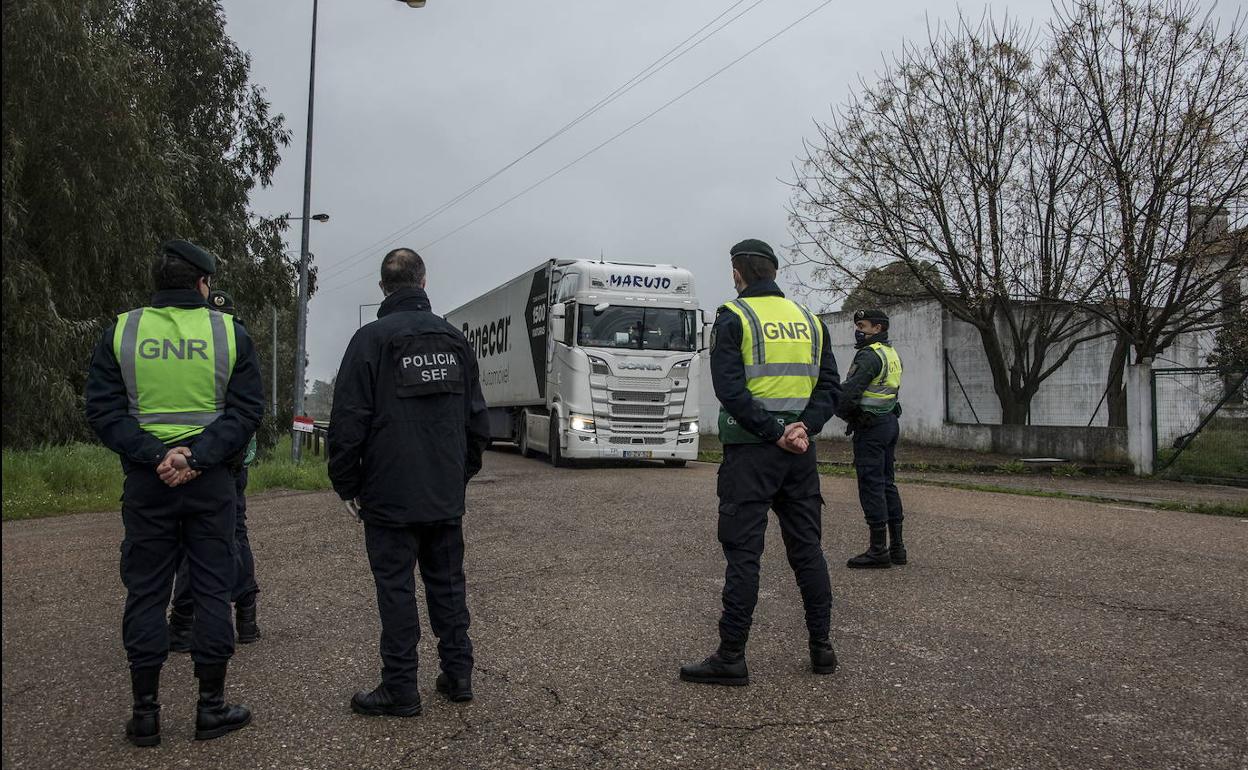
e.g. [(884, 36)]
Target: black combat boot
[(822, 656), (143, 727), (876, 556), (726, 666), (455, 690), (180, 631), (214, 717), (380, 703), (896, 548), (245, 621)]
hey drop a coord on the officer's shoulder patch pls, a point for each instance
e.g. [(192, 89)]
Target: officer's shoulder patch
[(852, 368), (714, 338)]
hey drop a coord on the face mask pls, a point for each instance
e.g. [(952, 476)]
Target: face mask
[(860, 336)]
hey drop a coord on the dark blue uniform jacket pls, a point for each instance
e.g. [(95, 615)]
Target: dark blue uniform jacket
[(409, 422)]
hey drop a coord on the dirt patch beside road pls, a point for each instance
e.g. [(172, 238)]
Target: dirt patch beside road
[(1026, 632)]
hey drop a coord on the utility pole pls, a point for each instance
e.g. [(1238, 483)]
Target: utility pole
[(274, 382), (301, 323)]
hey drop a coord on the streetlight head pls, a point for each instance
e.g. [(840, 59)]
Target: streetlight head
[(414, 3), (321, 217)]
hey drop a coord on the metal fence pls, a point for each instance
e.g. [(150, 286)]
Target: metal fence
[(1200, 423)]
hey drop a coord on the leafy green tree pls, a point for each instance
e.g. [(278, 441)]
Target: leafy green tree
[(126, 122)]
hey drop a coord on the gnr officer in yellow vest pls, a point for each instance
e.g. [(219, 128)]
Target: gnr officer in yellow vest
[(175, 390), (869, 406), (776, 379)]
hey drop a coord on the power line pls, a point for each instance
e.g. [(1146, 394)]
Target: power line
[(608, 141), (649, 71)]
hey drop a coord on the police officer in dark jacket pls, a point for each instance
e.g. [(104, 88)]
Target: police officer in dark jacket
[(407, 432), (182, 615), (175, 390), (776, 378), (870, 408)]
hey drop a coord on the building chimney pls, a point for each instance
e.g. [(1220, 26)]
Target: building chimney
[(1206, 224)]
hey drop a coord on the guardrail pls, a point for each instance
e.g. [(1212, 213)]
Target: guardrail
[(317, 442)]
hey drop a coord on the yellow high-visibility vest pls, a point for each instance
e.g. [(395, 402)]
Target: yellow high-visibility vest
[(176, 364), (881, 395), (782, 346)]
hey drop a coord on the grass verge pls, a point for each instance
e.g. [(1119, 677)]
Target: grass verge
[(80, 478), (1212, 509)]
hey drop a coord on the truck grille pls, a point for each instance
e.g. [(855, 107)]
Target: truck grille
[(637, 397), (618, 426), (643, 383), (647, 441), (638, 410)]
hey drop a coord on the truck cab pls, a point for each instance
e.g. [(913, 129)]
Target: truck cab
[(621, 363)]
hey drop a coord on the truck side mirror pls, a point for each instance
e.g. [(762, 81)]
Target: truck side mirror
[(704, 336), (556, 322)]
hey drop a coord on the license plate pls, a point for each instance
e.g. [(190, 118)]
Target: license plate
[(643, 454)]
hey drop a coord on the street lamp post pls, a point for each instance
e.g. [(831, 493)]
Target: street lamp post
[(301, 323), (301, 320)]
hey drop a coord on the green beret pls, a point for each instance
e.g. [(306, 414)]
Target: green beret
[(189, 252), (874, 315), (755, 248)]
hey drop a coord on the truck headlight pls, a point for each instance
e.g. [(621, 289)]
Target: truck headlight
[(683, 364), (599, 367), (581, 424), (688, 428)]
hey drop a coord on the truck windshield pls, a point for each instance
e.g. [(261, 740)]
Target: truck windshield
[(638, 328)]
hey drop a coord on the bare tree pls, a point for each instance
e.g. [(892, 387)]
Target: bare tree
[(955, 158), (1163, 117)]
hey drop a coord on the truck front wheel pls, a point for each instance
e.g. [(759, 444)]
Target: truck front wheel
[(522, 435), (556, 455)]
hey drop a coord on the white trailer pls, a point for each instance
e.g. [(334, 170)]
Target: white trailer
[(584, 359)]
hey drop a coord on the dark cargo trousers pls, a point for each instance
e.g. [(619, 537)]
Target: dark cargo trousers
[(162, 523), (875, 448), (246, 588), (752, 479), (394, 554)]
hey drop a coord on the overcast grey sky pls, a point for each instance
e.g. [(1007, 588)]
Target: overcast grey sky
[(413, 106)]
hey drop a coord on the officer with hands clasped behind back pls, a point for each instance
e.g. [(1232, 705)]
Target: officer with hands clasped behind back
[(182, 615), (777, 381), (870, 408), (407, 431), (175, 390)]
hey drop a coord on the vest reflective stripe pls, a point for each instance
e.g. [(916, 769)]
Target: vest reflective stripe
[(176, 364), (782, 370), (816, 334), (881, 395), (127, 357), (202, 419), (221, 348), (758, 348)]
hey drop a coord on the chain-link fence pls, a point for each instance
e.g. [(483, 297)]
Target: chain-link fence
[(1200, 423)]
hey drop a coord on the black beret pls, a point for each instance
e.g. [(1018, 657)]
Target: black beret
[(191, 253), (874, 315), (219, 300), (755, 248)]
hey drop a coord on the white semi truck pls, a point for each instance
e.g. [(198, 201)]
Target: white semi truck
[(585, 359)]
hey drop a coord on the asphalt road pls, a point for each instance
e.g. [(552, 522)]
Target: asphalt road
[(1026, 632)]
